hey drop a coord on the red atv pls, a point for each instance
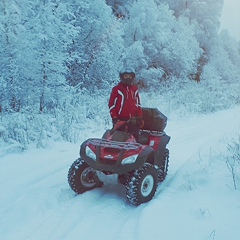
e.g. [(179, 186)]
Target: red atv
[(118, 158)]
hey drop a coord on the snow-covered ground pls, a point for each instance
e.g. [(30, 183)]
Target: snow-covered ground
[(197, 201)]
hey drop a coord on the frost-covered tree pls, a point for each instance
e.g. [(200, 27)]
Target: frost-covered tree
[(120, 8), (158, 44), (11, 28), (96, 51), (35, 39), (204, 16), (206, 13), (225, 58), (48, 38)]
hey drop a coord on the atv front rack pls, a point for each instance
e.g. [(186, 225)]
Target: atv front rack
[(114, 144)]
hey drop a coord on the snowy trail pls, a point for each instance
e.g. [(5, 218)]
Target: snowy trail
[(37, 203)]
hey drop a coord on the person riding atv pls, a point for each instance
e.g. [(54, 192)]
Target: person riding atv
[(124, 102), (118, 158)]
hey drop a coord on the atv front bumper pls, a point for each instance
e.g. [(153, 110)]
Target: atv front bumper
[(114, 157)]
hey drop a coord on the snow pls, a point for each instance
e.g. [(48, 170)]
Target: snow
[(197, 201)]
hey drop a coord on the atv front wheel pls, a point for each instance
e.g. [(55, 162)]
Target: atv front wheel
[(142, 184), (81, 177), (162, 171)]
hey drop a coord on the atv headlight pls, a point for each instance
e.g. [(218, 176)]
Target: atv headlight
[(129, 160), (90, 153)]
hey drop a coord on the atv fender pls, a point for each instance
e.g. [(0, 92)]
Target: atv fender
[(143, 157), (159, 153)]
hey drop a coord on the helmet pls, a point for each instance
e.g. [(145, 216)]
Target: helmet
[(127, 75)]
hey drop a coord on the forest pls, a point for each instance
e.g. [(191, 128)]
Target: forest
[(60, 60)]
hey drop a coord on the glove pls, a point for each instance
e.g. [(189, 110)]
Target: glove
[(140, 122), (132, 121), (136, 121), (114, 121)]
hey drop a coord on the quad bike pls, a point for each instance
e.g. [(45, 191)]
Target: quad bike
[(118, 158)]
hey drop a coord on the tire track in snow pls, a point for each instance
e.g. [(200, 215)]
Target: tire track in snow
[(76, 211)]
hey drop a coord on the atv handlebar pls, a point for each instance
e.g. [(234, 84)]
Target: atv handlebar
[(134, 120)]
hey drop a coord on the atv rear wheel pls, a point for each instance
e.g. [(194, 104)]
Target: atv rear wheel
[(142, 184), (162, 171), (81, 177)]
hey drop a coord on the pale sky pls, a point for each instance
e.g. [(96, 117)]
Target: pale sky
[(231, 17)]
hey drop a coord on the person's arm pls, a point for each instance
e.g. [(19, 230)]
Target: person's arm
[(112, 103), (139, 108), (140, 121)]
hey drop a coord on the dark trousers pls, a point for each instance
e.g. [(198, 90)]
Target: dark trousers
[(133, 128)]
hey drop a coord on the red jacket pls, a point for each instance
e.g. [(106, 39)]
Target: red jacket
[(124, 102)]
